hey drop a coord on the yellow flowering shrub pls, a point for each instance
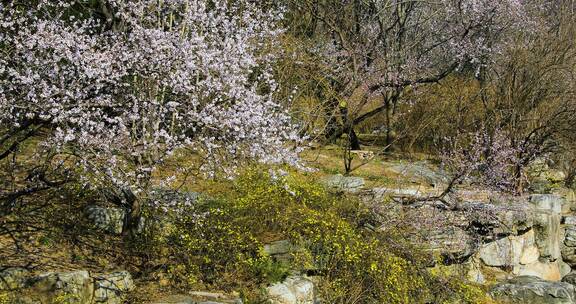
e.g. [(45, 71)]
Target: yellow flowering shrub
[(220, 242)]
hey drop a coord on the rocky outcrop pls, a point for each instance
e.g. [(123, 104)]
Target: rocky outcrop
[(111, 288), (530, 289), (493, 236), (107, 219), (199, 297), (282, 250), (13, 278), (568, 246), (72, 287), (344, 183), (293, 290)]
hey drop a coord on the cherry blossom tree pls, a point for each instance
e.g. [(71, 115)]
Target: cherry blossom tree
[(382, 49), (122, 85)]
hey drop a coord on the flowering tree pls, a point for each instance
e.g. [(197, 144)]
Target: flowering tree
[(121, 85), (487, 156), (380, 49)]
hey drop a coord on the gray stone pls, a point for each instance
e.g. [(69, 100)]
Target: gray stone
[(110, 219), (451, 243), (542, 178), (76, 287), (13, 278), (282, 251), (107, 219), (570, 236), (514, 250), (112, 288), (498, 253), (344, 183), (548, 235), (549, 271), (294, 290), (547, 202), (569, 255), (176, 198), (420, 172), (529, 289), (570, 278), (565, 269), (199, 297), (569, 220), (279, 247)]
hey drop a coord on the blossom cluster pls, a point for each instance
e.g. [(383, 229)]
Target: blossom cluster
[(399, 43), (486, 156), (124, 84)]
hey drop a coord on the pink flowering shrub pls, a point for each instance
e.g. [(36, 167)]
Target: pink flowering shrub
[(487, 158), (121, 85)]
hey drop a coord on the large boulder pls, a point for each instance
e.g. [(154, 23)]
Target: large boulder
[(294, 290), (76, 287), (344, 183), (510, 251), (549, 271), (542, 178), (281, 250), (547, 221), (418, 172), (199, 297), (112, 288), (533, 290), (107, 219), (570, 278), (13, 278)]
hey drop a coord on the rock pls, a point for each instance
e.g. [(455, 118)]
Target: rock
[(570, 278), (109, 219), (500, 218), (419, 172), (106, 219), (452, 244), (568, 248), (542, 178), (510, 251), (173, 197), (547, 202), (569, 255), (281, 250), (497, 253), (565, 269), (570, 236), (111, 288), (476, 276), (529, 289), (13, 278), (294, 290), (549, 271), (279, 247), (68, 287), (569, 220), (548, 235), (344, 183), (199, 297)]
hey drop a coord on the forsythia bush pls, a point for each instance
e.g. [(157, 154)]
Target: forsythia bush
[(220, 243)]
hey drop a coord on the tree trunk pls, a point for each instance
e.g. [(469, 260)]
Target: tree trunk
[(354, 141), (133, 216), (388, 112), (332, 127), (518, 185)]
